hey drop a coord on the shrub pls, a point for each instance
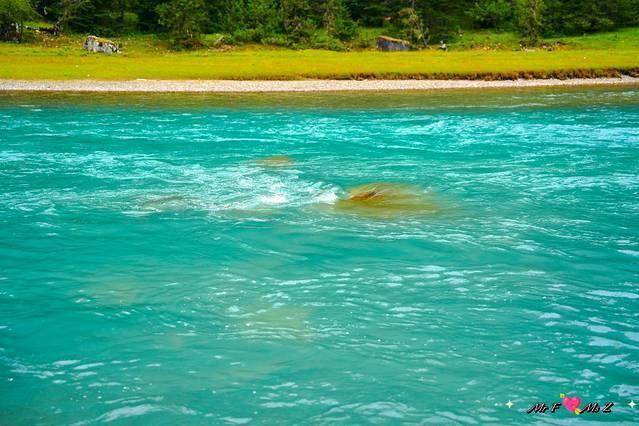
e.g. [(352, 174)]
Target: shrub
[(276, 40), (365, 40), (246, 35), (323, 40), (215, 40)]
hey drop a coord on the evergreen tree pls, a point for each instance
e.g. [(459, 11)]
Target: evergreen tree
[(529, 15), (337, 20), (147, 15), (263, 17), (444, 19), (411, 26), (495, 14), (13, 13), (184, 20), (579, 17), (296, 20)]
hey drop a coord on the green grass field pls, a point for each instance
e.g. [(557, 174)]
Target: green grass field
[(473, 55)]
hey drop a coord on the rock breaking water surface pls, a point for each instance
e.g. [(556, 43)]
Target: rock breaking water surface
[(156, 267)]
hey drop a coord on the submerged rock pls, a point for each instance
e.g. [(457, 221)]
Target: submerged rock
[(386, 200), (275, 161), (275, 323), (169, 202)]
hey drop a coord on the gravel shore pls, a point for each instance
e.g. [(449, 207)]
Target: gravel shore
[(292, 86)]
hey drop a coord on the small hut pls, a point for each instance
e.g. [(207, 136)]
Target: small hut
[(102, 45), (390, 44)]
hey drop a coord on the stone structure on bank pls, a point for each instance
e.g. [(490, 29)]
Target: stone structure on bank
[(102, 45), (390, 44)]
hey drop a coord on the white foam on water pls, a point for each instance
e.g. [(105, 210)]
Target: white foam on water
[(161, 186), (274, 199), (242, 188), (614, 294), (326, 197)]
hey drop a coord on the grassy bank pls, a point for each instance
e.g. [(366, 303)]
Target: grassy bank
[(491, 56)]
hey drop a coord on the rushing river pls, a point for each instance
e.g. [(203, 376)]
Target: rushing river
[(197, 259)]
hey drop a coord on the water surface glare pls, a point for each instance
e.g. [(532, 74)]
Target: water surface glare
[(182, 259)]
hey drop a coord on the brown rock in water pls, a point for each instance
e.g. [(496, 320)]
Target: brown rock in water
[(387, 200), (275, 161), (168, 202)]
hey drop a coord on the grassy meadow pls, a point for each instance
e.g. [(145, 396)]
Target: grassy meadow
[(472, 55)]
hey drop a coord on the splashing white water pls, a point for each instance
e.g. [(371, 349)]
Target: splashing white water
[(239, 188)]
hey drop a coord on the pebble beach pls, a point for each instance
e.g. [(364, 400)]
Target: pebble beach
[(237, 86)]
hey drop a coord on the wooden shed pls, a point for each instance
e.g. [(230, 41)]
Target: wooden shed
[(390, 44)]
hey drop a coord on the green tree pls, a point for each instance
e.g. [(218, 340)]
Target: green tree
[(184, 20), (147, 15), (374, 13), (262, 19), (579, 17), (68, 12), (101, 17), (444, 19), (337, 20), (529, 20), (228, 15), (296, 20), (263, 16), (411, 26), (13, 13), (496, 14), (248, 20)]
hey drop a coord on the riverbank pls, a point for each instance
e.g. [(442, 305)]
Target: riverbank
[(235, 86), (70, 62), (473, 57)]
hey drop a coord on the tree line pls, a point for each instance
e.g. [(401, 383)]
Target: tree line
[(322, 23)]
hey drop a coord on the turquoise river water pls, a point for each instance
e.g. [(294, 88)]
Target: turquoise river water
[(154, 269)]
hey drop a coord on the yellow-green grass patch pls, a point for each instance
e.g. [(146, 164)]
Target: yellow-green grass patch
[(147, 57)]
